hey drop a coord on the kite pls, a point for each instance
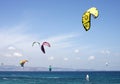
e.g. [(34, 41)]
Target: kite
[(44, 44), (106, 64), (86, 18), (22, 62), (35, 43)]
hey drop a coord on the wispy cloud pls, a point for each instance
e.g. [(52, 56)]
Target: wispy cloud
[(61, 37), (12, 36), (62, 41)]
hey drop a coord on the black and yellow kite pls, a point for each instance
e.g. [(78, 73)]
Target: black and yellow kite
[(86, 18), (22, 62)]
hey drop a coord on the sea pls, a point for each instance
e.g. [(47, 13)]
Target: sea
[(59, 77)]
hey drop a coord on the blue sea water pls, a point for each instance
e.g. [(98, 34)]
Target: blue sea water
[(96, 77)]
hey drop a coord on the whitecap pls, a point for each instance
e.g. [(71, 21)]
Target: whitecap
[(5, 78)]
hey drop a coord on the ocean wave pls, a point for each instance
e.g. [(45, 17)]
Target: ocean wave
[(50, 77)]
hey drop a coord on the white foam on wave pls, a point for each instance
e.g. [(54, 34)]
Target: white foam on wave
[(5, 78), (87, 77)]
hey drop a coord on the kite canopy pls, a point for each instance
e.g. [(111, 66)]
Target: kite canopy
[(44, 44), (22, 62), (86, 18), (35, 43)]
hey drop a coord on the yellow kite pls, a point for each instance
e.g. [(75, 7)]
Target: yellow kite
[(22, 62), (86, 18)]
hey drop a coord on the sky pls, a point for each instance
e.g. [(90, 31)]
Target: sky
[(59, 22)]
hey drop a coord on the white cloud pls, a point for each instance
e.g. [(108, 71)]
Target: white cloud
[(65, 59), (76, 51), (91, 58), (17, 54), (11, 48)]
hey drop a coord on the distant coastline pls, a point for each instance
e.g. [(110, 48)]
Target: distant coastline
[(43, 69)]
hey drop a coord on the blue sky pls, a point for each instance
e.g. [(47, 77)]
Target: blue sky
[(60, 23)]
